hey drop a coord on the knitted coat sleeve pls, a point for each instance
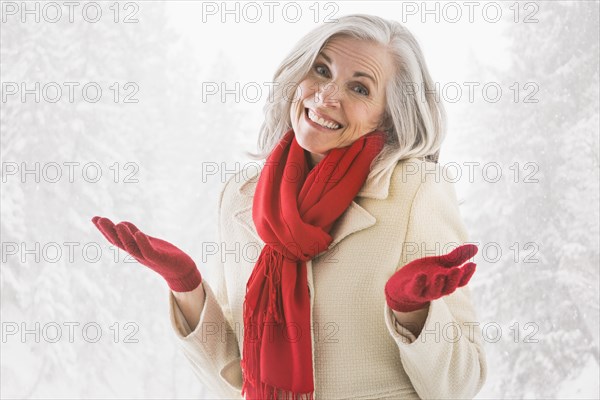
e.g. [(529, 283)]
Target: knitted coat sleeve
[(211, 348), (447, 359)]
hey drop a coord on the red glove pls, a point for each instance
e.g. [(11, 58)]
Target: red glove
[(176, 267), (429, 278)]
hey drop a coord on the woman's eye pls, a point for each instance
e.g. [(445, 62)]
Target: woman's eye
[(321, 70), (361, 90)]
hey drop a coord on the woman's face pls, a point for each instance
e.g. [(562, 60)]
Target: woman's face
[(346, 89)]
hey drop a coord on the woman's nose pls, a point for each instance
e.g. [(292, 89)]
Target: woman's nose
[(328, 95)]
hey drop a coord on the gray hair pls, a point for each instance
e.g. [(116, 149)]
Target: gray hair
[(414, 123)]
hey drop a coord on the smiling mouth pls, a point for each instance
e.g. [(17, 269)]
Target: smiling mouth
[(312, 117)]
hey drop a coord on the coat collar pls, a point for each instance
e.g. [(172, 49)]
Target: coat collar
[(354, 219)]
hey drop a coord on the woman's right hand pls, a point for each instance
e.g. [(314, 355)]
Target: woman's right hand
[(176, 267)]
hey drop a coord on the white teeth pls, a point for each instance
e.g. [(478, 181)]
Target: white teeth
[(321, 121)]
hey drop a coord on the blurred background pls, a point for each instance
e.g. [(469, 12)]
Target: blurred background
[(140, 111)]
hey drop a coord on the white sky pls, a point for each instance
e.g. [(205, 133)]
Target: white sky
[(257, 48)]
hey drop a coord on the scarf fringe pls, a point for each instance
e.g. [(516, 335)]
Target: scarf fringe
[(266, 391)]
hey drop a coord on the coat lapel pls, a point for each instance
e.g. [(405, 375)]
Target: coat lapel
[(354, 219)]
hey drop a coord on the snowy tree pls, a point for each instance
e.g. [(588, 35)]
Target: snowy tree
[(545, 218)]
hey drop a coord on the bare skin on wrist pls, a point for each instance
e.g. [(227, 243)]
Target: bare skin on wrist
[(191, 304), (413, 320)]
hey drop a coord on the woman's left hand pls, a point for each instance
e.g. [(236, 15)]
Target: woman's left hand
[(429, 278)]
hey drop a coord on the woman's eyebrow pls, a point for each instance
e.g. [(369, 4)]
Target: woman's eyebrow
[(357, 74)]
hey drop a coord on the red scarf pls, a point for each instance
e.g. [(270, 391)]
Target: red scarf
[(294, 208)]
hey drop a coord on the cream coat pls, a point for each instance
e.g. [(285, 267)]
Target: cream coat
[(359, 349)]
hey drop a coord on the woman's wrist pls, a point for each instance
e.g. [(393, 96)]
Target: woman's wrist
[(191, 304), (413, 320)]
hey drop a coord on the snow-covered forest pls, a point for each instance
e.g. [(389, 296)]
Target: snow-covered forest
[(111, 114)]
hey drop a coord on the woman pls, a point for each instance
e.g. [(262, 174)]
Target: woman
[(353, 291)]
